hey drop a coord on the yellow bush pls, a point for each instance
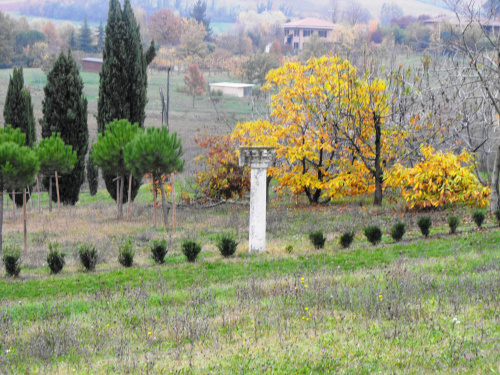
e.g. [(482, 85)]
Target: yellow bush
[(439, 179)]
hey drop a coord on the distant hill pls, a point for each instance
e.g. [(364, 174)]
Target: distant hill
[(303, 8)]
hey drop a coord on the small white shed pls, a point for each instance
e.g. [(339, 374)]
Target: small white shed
[(239, 90)]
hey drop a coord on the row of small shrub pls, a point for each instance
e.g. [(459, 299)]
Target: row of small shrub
[(374, 234), (88, 254)]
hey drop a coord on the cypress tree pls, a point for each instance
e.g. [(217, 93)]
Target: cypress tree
[(92, 174), (18, 112), (100, 37), (85, 38), (123, 78), (65, 111)]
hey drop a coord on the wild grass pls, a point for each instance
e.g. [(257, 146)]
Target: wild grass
[(418, 306)]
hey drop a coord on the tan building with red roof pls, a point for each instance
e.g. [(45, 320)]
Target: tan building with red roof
[(298, 32)]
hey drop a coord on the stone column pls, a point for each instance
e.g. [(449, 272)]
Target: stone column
[(258, 158)]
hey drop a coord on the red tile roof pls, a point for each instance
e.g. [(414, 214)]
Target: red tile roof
[(312, 23)]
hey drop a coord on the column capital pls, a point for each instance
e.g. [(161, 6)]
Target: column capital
[(257, 156)]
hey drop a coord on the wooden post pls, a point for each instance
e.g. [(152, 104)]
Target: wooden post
[(129, 195), (173, 203), (25, 227), (57, 190), (38, 188), (154, 199)]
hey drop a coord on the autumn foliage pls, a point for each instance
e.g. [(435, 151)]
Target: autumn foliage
[(441, 178), (195, 82), (323, 126), (222, 177)]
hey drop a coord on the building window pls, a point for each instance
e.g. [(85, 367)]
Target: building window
[(296, 32), (307, 32), (295, 45), (322, 33), (287, 31)]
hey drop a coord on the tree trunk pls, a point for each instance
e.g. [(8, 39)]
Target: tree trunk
[(120, 197), (1, 221), (268, 185), (193, 101), (38, 189), (25, 226), (50, 193), (129, 195), (495, 198), (377, 201), (13, 204), (164, 204), (57, 191), (154, 198)]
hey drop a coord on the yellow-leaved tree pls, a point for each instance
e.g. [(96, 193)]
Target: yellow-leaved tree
[(440, 179), (328, 129)]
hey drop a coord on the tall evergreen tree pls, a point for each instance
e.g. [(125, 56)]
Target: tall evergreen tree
[(18, 112), (73, 44), (65, 111), (123, 78), (199, 13), (85, 37), (100, 37)]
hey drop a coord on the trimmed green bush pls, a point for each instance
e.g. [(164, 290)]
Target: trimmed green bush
[(497, 215), (226, 244), (317, 239), (346, 239), (373, 234), (126, 254), (159, 251), (398, 231), (453, 223), (55, 258), (425, 224), (190, 249), (88, 256), (478, 218), (12, 260)]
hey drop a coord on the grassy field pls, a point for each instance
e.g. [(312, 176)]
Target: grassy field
[(419, 306), (187, 121)]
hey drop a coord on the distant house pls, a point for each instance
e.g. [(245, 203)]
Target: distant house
[(239, 90), (438, 23), (91, 64), (298, 32)]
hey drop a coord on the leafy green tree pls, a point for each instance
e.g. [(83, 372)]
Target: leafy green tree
[(313, 48), (55, 156), (18, 112), (257, 66), (85, 37), (6, 38), (65, 111), (157, 152), (18, 164), (199, 13), (109, 152), (92, 174), (123, 78)]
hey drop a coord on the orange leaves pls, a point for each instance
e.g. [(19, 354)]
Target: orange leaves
[(438, 180), (222, 177)]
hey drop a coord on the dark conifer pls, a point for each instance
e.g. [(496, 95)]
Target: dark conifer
[(18, 112), (65, 111), (123, 78), (85, 37)]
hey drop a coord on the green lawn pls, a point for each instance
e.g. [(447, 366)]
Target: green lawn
[(421, 306)]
